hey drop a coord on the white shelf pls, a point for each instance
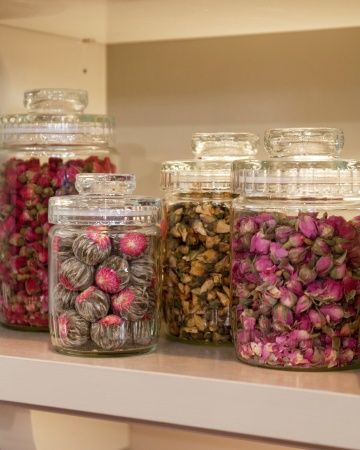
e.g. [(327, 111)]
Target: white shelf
[(109, 21), (194, 386)]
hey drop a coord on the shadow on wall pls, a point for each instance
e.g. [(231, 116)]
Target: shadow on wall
[(161, 92)]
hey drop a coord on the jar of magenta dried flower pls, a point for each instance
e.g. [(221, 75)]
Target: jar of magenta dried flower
[(104, 268), (196, 264), (296, 254), (41, 151)]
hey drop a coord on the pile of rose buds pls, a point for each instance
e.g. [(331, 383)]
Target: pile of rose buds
[(105, 292), (26, 186), (296, 289)]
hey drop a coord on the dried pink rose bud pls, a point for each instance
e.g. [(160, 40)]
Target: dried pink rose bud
[(248, 320), (320, 247), (303, 304), (243, 336), (294, 241), (332, 313), (333, 291), (259, 244), (282, 233), (326, 230), (264, 324), (307, 226), (247, 225), (282, 315), (287, 297), (277, 252), (317, 319), (307, 274), (324, 265), (338, 272), (262, 263), (297, 255)]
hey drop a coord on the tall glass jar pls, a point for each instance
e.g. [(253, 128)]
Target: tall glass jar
[(196, 260), (104, 268), (296, 254), (41, 151)]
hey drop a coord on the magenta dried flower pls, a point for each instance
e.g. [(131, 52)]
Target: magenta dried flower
[(109, 333), (303, 304), (307, 274), (332, 313), (247, 225), (277, 252), (259, 244), (262, 263), (307, 226), (297, 255), (287, 297), (75, 275), (320, 247), (133, 245), (282, 316), (282, 233), (113, 274), (92, 247), (131, 303), (92, 304), (338, 272), (323, 265)]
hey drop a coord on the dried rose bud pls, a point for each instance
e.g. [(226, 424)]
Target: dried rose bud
[(113, 274), (307, 226), (303, 304), (300, 335), (338, 272), (326, 230), (264, 324), (72, 329), (287, 298), (332, 313), (282, 233), (259, 244), (324, 265), (317, 319), (243, 336), (333, 291), (277, 252), (262, 263), (133, 245), (93, 247), (92, 304), (350, 342), (247, 225), (307, 274), (248, 320), (320, 247), (294, 285), (109, 333), (282, 315), (331, 357), (297, 255), (75, 275)]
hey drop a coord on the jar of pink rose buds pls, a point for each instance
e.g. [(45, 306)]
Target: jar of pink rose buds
[(41, 151), (104, 268), (296, 253)]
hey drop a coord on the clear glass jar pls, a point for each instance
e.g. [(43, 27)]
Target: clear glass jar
[(104, 268), (196, 260), (41, 151), (296, 254)]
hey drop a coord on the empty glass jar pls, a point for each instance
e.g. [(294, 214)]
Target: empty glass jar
[(196, 262), (41, 151), (104, 268), (296, 254)]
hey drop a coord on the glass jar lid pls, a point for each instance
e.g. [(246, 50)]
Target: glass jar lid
[(104, 199), (56, 117), (304, 162), (210, 170)]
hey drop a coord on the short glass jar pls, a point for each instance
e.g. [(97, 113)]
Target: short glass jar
[(296, 254), (196, 260), (104, 268), (41, 151)]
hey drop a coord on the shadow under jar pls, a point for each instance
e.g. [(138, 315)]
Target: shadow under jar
[(296, 254), (104, 268), (196, 259), (41, 151)]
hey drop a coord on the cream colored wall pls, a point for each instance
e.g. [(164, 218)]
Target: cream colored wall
[(162, 92), (32, 60)]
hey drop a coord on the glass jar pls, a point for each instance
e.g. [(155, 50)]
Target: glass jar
[(296, 254), (41, 151), (104, 268), (196, 260)]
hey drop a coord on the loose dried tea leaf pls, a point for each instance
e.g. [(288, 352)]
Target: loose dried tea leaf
[(196, 260)]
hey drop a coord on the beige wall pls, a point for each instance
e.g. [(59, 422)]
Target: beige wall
[(32, 60), (162, 92)]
